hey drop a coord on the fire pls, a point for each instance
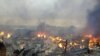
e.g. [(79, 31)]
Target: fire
[(60, 42), (5, 34), (89, 36), (92, 41), (38, 35), (52, 38), (41, 34), (83, 40), (60, 45), (2, 33), (71, 43), (8, 35), (57, 40), (82, 46), (75, 44)]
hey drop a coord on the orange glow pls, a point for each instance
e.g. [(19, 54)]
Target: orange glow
[(92, 41), (60, 45), (71, 43), (81, 47), (82, 40), (2, 33), (8, 35), (89, 36), (57, 40), (41, 34), (38, 35), (75, 44), (52, 38)]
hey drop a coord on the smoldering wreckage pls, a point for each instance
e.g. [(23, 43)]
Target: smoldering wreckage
[(43, 43), (46, 44)]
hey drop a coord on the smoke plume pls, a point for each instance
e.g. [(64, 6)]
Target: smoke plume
[(30, 12), (94, 20)]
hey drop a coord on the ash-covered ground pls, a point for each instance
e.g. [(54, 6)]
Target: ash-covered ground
[(37, 42)]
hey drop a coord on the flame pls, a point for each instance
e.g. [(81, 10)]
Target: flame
[(71, 43), (60, 45), (89, 36), (5, 34), (52, 38), (82, 46), (61, 42), (75, 44), (41, 35), (38, 35), (8, 35), (57, 40), (82, 40), (2, 33), (92, 41)]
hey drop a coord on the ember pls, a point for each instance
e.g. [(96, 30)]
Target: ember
[(60, 45), (92, 41), (41, 34), (2, 33), (8, 35)]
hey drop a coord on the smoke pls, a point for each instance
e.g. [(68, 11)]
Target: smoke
[(94, 20), (31, 12)]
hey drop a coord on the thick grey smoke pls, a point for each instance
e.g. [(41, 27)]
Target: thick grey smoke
[(52, 12), (94, 20)]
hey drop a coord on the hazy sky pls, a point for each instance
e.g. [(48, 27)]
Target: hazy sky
[(53, 12)]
